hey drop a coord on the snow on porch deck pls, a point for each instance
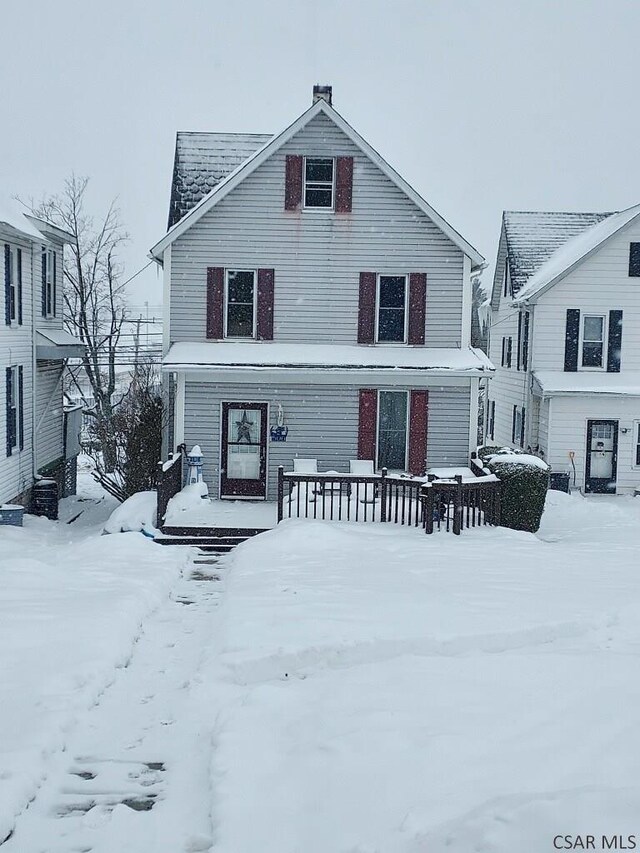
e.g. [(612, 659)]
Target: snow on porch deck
[(259, 515)]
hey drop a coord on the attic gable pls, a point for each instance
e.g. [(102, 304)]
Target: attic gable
[(227, 183)]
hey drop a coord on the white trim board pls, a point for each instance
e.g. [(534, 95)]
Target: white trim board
[(222, 189)]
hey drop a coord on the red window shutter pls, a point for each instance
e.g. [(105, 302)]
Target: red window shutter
[(367, 308), (418, 414), (368, 412), (215, 303), (293, 182), (417, 306), (344, 184), (264, 322)]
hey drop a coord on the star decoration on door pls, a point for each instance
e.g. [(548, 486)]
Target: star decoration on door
[(244, 429)]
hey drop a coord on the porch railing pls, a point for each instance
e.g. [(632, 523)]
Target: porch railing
[(433, 505), (169, 481)]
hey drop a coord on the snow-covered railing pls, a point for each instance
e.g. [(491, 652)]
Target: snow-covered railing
[(430, 503), (169, 483)]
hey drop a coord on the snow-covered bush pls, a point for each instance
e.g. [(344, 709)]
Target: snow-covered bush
[(525, 480), (137, 513)]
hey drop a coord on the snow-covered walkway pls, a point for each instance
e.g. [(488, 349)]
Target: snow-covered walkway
[(134, 775)]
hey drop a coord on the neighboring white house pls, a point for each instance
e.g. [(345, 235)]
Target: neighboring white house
[(35, 436), (315, 306), (565, 337)]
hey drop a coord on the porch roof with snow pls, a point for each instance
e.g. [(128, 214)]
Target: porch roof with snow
[(245, 168), (555, 383), (57, 345), (352, 358)]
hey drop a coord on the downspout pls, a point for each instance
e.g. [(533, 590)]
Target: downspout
[(34, 442)]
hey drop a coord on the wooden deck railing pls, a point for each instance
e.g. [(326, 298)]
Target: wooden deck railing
[(435, 504), (170, 479)]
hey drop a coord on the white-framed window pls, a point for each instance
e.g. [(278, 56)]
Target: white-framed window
[(319, 182), (507, 352), (240, 294), (393, 426), (592, 343), (391, 314), (12, 291), (48, 283), (636, 430), (12, 403), (517, 425)]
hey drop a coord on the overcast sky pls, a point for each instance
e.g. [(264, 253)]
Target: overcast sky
[(482, 105)]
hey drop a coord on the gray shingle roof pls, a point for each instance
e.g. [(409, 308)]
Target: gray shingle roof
[(532, 237), (202, 160)]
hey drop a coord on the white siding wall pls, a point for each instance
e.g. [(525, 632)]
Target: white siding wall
[(317, 256), (49, 413), (16, 349), (600, 284), (568, 431), (323, 424), (509, 386)]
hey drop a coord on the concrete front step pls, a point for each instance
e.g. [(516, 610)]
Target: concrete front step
[(212, 540)]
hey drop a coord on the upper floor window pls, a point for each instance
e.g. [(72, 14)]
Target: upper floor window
[(637, 426), (318, 182), (13, 284), (48, 283), (507, 352), (392, 309), (240, 304), (634, 259), (593, 337)]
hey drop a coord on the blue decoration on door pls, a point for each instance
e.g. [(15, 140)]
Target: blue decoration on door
[(279, 433)]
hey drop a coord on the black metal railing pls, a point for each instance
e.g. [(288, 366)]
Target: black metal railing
[(432, 505), (169, 481)]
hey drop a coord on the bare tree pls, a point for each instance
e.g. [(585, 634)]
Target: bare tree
[(95, 308)]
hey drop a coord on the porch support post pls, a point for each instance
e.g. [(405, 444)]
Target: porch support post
[(383, 495), (427, 499), (457, 506), (280, 493)]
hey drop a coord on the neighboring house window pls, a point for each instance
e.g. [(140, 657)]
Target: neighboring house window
[(48, 283), (392, 309), (593, 331), (491, 424), (392, 430), (318, 181), (523, 340), (240, 302), (13, 284), (14, 408), (638, 443), (517, 425), (505, 278), (507, 349), (634, 259)]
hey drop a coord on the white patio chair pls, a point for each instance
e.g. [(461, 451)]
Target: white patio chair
[(364, 468), (307, 492)]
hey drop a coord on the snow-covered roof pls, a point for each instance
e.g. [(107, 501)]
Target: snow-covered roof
[(53, 344), (202, 160), (551, 383), (14, 215), (534, 236), (249, 165), (575, 250), (268, 355)]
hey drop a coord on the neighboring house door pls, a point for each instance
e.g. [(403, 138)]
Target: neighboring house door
[(602, 456), (243, 469)]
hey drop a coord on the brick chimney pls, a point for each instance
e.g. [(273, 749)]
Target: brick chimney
[(322, 93)]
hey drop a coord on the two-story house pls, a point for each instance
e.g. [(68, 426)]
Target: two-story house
[(315, 307), (33, 351), (565, 335)]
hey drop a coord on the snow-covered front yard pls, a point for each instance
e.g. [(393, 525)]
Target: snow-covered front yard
[(335, 689)]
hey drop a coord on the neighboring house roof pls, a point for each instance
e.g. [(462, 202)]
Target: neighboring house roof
[(351, 357), (56, 344), (574, 251), (13, 216), (248, 166), (553, 383), (202, 160)]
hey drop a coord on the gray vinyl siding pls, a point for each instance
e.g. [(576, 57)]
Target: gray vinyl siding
[(322, 422), (49, 414), (16, 348), (317, 255)]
